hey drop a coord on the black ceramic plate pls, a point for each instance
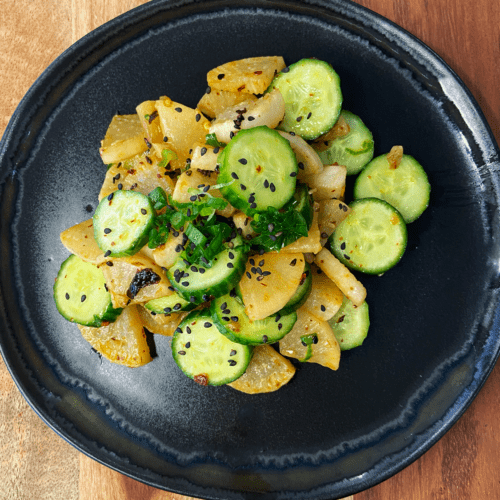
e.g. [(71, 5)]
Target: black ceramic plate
[(434, 335)]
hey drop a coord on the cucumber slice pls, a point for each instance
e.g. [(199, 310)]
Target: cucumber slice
[(372, 238), (302, 293), (228, 313), (204, 354), (122, 222), (258, 170), (302, 201), (81, 295), (406, 187), (197, 284), (350, 325), (313, 98), (353, 150), (170, 304)]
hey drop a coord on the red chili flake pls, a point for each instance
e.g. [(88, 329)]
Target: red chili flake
[(201, 379)]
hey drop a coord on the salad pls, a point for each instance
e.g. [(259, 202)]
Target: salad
[(226, 228)]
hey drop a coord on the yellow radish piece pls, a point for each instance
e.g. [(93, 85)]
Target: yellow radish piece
[(268, 371), (325, 297), (267, 293), (325, 351), (252, 75), (122, 342)]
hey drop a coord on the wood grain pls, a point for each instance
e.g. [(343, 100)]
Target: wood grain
[(36, 464)]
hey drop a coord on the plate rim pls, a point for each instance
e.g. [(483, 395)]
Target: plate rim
[(145, 11)]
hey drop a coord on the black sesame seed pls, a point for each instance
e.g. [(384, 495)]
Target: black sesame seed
[(299, 118), (205, 298), (192, 299), (315, 339), (206, 188), (144, 211), (177, 306), (264, 338), (232, 362), (280, 326), (253, 205), (108, 253), (109, 263), (309, 115), (83, 297), (182, 353), (202, 270), (272, 187), (278, 317), (110, 197), (243, 187), (185, 283), (266, 183), (232, 293), (230, 265), (179, 248), (179, 110), (301, 165), (216, 150), (254, 270), (323, 308), (203, 150), (193, 198), (294, 261), (67, 296), (107, 230), (179, 330), (285, 70), (243, 161), (197, 117), (347, 257), (223, 306), (220, 76), (232, 353), (208, 90), (165, 139), (230, 255), (266, 273), (149, 160), (188, 330), (251, 118), (261, 263), (188, 345), (207, 324), (167, 310), (342, 245), (293, 174), (225, 318), (249, 276), (234, 318)]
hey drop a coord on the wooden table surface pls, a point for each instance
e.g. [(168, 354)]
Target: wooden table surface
[(36, 464)]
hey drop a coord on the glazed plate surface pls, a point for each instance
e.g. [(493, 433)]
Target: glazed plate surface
[(434, 333)]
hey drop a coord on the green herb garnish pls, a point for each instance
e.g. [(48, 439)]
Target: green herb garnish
[(278, 228), (177, 214), (167, 156), (211, 140)]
